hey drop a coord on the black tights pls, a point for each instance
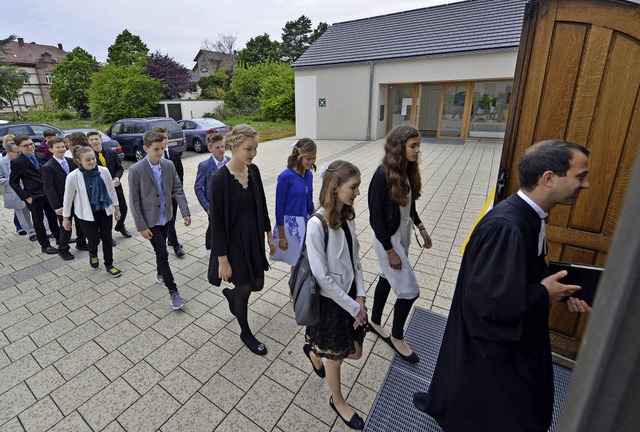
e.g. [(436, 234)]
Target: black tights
[(240, 297), (401, 308)]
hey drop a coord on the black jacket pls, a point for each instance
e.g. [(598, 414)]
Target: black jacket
[(384, 212), (23, 170), (53, 179), (176, 158), (113, 162)]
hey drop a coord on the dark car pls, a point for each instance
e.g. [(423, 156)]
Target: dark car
[(34, 130), (196, 131), (129, 133), (106, 141)]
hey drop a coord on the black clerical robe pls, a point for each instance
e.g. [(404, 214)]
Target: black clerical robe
[(494, 370)]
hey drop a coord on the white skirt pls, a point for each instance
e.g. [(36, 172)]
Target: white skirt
[(403, 282), (294, 230)]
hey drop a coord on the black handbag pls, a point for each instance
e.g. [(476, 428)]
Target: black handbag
[(305, 292)]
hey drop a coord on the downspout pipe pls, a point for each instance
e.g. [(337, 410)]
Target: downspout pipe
[(369, 111)]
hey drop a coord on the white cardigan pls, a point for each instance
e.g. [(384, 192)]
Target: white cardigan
[(75, 194), (332, 269)]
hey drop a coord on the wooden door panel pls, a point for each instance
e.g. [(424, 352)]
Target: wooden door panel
[(578, 79)]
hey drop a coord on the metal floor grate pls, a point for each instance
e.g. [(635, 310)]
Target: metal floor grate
[(393, 408)]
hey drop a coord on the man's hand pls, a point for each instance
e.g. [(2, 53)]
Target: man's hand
[(29, 200), (577, 305), (66, 224), (146, 234), (187, 220), (116, 182), (59, 212), (557, 290)]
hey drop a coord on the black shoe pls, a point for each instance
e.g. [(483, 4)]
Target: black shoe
[(356, 421), (411, 358), (65, 255), (228, 293), (33, 237), (124, 232), (420, 401), (82, 246), (254, 345), (178, 250), (319, 371), (374, 331), (113, 243), (22, 232), (49, 250)]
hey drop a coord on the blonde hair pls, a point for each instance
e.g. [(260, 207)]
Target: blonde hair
[(7, 138), (336, 174), (79, 151), (238, 134)]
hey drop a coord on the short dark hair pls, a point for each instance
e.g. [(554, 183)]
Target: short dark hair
[(53, 141), (78, 139), (160, 129), (48, 133), (214, 137), (550, 155), (152, 136), (93, 132), (18, 139)]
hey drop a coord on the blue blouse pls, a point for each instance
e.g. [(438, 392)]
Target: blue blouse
[(294, 195)]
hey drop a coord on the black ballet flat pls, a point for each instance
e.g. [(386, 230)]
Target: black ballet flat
[(356, 421), (319, 371), (411, 358), (254, 345), (374, 331)]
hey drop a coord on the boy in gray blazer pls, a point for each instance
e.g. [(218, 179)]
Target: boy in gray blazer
[(152, 182)]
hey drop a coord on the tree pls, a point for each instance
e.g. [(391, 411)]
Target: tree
[(297, 37), (10, 80), (123, 91), (248, 83), (259, 49), (71, 80), (319, 31), (175, 78), (215, 86), (277, 95), (225, 43), (127, 50)]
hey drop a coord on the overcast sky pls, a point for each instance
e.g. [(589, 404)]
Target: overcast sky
[(176, 28)]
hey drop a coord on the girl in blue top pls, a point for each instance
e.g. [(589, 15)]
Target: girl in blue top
[(294, 201)]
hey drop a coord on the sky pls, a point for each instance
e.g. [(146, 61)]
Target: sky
[(177, 28)]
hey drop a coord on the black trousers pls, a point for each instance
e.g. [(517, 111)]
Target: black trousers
[(172, 235), (123, 208), (40, 207), (207, 236), (65, 236), (99, 230), (159, 243)]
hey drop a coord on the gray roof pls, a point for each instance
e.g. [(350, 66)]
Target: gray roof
[(450, 29)]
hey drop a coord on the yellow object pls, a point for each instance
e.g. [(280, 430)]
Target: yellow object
[(103, 161), (487, 206)]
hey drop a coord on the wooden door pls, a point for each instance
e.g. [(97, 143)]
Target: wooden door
[(578, 78)]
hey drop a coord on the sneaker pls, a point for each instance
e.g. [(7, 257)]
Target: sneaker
[(159, 279), (82, 246), (22, 232), (114, 271), (93, 260), (176, 301), (65, 255)]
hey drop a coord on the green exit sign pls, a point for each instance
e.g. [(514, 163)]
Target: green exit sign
[(322, 103)]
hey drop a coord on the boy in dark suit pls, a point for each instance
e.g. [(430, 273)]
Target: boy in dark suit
[(152, 183), (26, 181), (54, 175), (110, 160)]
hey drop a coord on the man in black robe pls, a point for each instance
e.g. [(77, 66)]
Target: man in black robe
[(494, 371)]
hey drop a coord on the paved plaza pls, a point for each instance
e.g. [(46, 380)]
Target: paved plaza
[(82, 351)]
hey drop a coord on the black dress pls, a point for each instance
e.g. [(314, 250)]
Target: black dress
[(334, 336)]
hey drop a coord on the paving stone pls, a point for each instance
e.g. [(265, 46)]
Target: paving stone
[(25, 297), (198, 414), (45, 302), (206, 361), (45, 381), (296, 419), (25, 327), (6, 281), (168, 356), (81, 316), (142, 345), (180, 385), (52, 331), (81, 388), (150, 411), (236, 422), (71, 423), (80, 359), (143, 319), (142, 377), (211, 323), (265, 402), (194, 336), (55, 312), (80, 335), (114, 316), (286, 375), (173, 323), (17, 372), (85, 296), (14, 401), (41, 416), (114, 365), (106, 302), (4, 359), (243, 369), (281, 328), (107, 405), (20, 348), (117, 335), (49, 353), (222, 392), (12, 425)]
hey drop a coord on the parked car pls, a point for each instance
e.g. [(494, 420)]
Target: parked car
[(34, 130), (106, 141), (129, 133), (196, 131)]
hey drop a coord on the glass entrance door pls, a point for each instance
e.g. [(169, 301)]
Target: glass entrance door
[(401, 107), (453, 114)]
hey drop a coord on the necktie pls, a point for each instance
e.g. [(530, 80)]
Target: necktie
[(542, 238), (103, 161), (65, 166), (34, 161)]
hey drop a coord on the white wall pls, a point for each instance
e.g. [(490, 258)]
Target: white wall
[(346, 89), (193, 108)]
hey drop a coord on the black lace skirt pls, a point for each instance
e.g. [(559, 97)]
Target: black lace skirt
[(334, 336)]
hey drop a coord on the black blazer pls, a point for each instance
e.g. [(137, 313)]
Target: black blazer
[(384, 212), (53, 179), (176, 158), (224, 208), (113, 162), (23, 170)]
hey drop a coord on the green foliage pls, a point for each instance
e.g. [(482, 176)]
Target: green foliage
[(43, 115), (123, 91), (277, 96), (259, 49), (10, 84), (72, 78), (215, 86), (297, 37), (128, 50)]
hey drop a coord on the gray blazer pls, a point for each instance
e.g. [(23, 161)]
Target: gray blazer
[(11, 198), (144, 197)]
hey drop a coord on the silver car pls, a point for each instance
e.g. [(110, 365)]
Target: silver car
[(196, 131)]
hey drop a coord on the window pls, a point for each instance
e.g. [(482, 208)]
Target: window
[(29, 100), (204, 71), (137, 128), (490, 109), (47, 78), (19, 130), (26, 77)]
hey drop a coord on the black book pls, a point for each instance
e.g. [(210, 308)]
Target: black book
[(587, 276)]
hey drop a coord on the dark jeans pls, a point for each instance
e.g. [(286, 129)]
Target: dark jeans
[(159, 243), (99, 230), (65, 236), (16, 223), (40, 207), (123, 208), (172, 235)]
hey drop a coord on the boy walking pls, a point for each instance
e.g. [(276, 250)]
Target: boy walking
[(152, 183)]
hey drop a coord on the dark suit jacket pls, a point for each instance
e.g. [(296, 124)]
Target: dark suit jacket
[(53, 179), (113, 162), (23, 170), (176, 158)]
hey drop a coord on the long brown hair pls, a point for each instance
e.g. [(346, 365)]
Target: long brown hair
[(336, 174), (398, 169), (302, 147)]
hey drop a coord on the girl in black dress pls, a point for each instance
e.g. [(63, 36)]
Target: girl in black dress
[(239, 222)]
